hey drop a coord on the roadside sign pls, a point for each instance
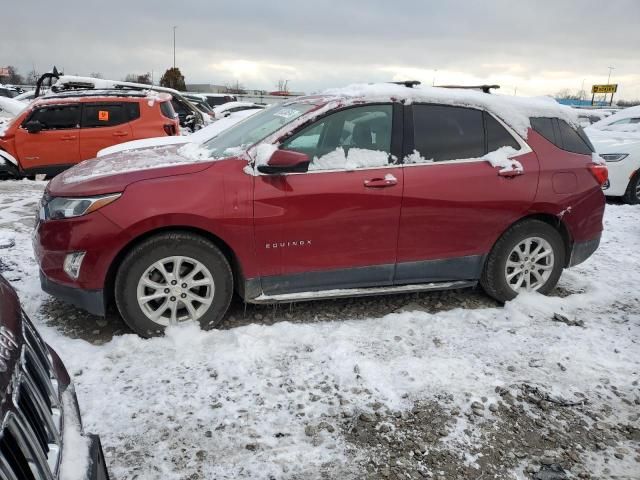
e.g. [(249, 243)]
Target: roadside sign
[(4, 71), (610, 88)]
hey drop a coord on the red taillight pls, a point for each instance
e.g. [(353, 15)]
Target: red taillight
[(170, 129), (600, 173)]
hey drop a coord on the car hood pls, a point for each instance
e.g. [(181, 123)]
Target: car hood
[(112, 173), (11, 333), (144, 143)]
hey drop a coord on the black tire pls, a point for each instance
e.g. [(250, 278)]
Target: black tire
[(632, 195), (161, 246), (493, 279)]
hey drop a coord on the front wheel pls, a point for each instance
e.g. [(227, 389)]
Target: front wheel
[(173, 278), (529, 257)]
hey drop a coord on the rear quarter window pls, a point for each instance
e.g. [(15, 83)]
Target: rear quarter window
[(562, 135), (103, 115), (167, 110)]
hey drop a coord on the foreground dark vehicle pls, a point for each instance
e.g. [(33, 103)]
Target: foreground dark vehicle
[(39, 407)]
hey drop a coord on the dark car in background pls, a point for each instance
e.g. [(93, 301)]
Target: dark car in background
[(38, 406)]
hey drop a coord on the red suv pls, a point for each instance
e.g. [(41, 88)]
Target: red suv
[(58, 131), (368, 190)]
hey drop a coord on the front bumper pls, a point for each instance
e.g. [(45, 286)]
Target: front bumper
[(97, 465), (583, 250), (90, 300)]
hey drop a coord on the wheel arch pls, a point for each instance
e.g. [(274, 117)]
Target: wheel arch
[(223, 246), (554, 221)]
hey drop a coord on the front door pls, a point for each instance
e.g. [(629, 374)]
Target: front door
[(456, 203), (56, 145), (104, 125), (336, 225)]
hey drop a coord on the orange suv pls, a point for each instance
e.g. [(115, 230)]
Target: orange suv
[(58, 131)]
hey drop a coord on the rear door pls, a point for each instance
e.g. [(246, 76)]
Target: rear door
[(456, 204), (335, 226), (105, 124), (56, 145)]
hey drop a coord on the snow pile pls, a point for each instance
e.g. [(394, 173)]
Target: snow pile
[(356, 158), (501, 159), (416, 157), (4, 125), (515, 111)]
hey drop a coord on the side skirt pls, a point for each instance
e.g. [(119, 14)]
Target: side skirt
[(358, 292)]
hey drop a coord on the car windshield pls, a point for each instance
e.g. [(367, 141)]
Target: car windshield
[(253, 129)]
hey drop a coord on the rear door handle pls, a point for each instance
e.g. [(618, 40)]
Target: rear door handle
[(120, 134), (68, 137), (510, 173), (387, 181)]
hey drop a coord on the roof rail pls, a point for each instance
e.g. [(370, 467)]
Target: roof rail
[(408, 83), (484, 88)]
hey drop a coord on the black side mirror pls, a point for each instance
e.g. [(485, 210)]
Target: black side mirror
[(33, 126)]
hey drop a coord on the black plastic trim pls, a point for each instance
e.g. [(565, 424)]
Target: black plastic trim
[(90, 300), (583, 250), (448, 269)]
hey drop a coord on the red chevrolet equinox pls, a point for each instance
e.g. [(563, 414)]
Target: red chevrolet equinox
[(368, 190)]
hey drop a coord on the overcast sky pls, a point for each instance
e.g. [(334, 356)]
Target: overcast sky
[(538, 47)]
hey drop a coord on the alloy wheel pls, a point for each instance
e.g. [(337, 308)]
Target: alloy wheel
[(175, 289), (529, 265)]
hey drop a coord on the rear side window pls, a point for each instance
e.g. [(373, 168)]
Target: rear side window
[(57, 117), (103, 115), (448, 133), (133, 110), (167, 110), (497, 135), (562, 135)]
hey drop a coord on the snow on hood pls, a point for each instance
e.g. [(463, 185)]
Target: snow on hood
[(133, 161), (515, 111), (200, 136)]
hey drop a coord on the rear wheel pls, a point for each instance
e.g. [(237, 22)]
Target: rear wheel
[(632, 195), (529, 257), (173, 278)]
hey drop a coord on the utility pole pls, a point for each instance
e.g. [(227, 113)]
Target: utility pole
[(174, 46), (608, 80), (433, 83)]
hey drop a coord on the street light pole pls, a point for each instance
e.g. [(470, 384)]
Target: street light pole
[(609, 77), (174, 46)]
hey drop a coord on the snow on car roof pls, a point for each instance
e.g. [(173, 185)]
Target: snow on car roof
[(515, 111)]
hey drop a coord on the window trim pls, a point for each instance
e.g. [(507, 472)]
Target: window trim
[(410, 147)]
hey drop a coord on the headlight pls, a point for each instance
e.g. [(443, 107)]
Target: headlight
[(614, 157), (60, 207)]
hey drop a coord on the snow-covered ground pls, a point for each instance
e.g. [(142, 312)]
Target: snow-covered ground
[(287, 400)]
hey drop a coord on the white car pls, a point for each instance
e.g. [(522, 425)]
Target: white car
[(617, 140), (201, 136), (228, 108)]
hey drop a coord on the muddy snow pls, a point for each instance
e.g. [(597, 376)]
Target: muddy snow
[(444, 385)]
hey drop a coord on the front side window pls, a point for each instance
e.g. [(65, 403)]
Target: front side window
[(444, 132), (103, 115), (57, 117), (357, 137), (255, 128)]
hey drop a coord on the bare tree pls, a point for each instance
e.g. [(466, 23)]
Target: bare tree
[(235, 88), (14, 77), (282, 85), (95, 75), (32, 77)]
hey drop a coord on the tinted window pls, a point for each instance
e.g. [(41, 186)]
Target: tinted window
[(571, 140), (338, 140), (167, 110), (103, 115), (57, 117), (544, 126), (133, 110), (497, 135), (179, 108), (448, 133)]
